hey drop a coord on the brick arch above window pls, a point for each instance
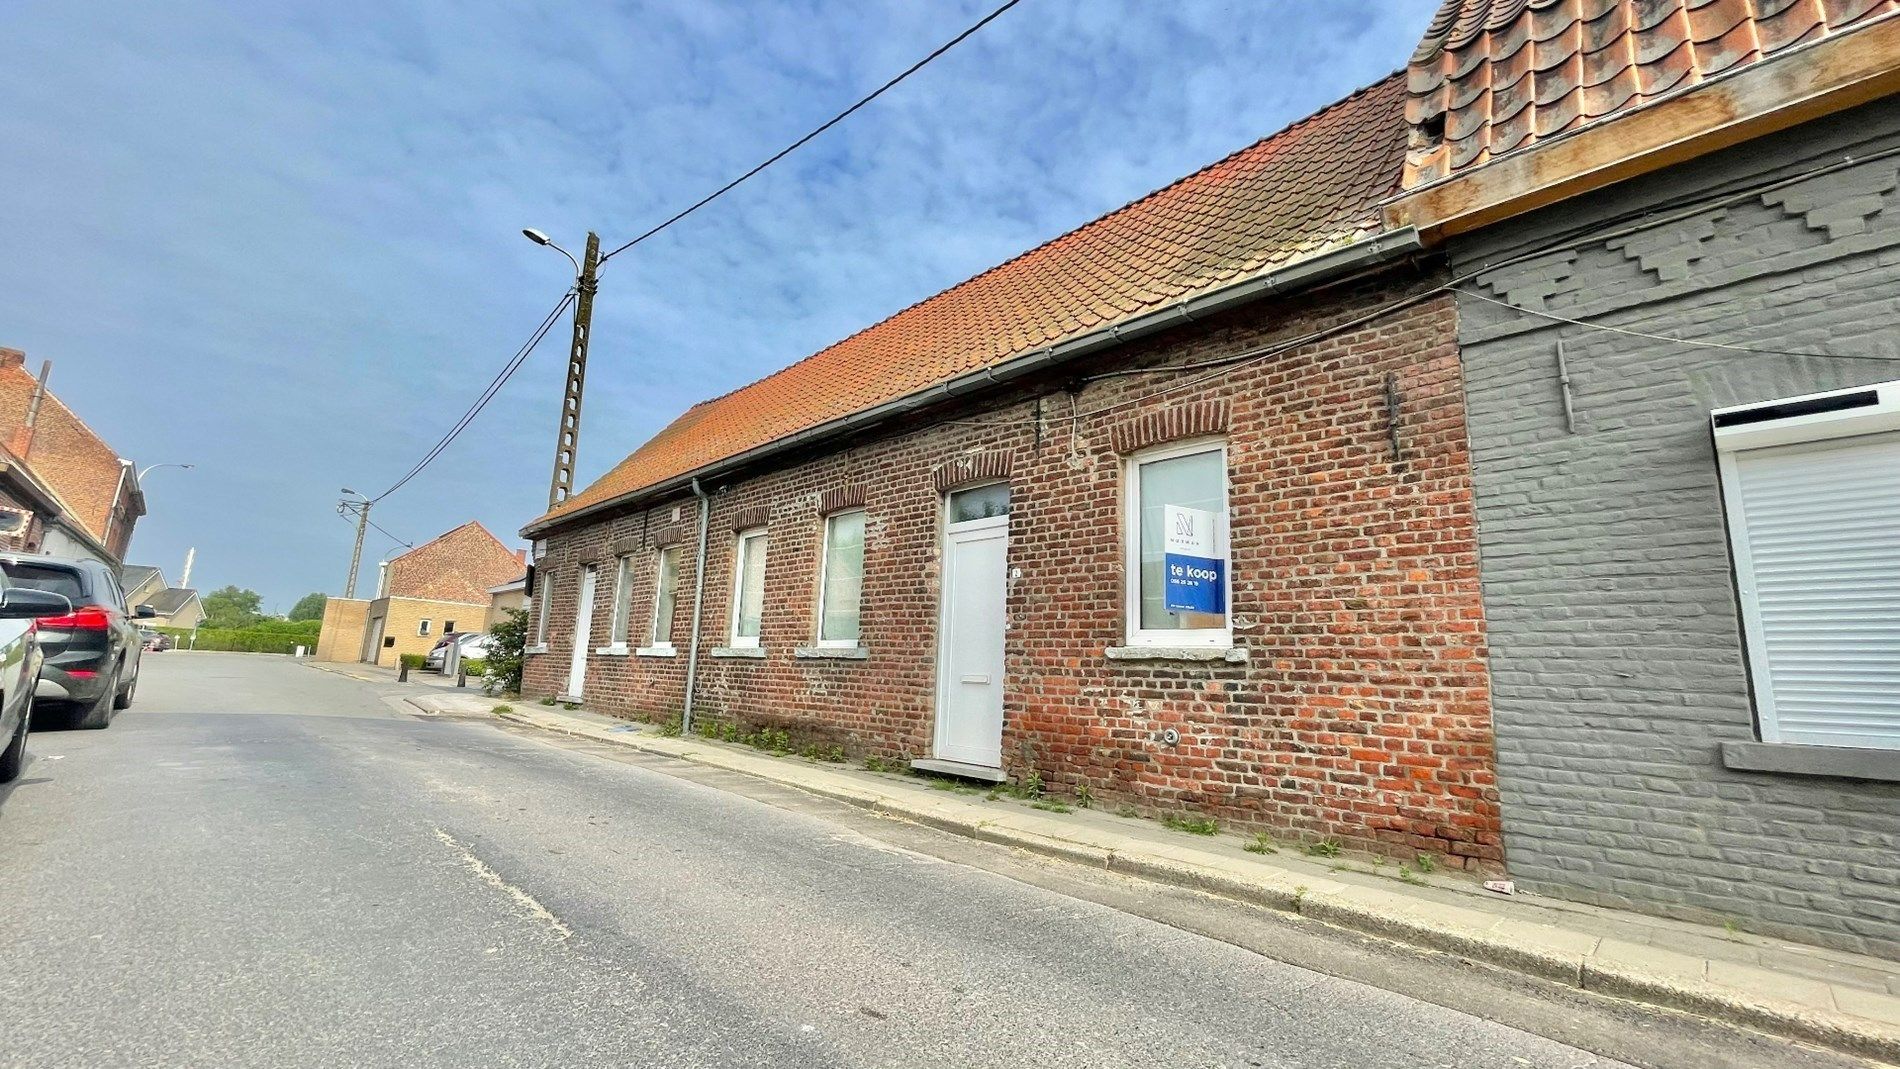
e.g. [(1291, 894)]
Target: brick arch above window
[(1172, 424), (986, 466), (670, 535), (746, 519), (841, 498)]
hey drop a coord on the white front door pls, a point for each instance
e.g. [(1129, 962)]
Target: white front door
[(970, 642), (583, 633)]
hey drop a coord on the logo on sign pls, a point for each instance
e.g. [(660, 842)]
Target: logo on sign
[(1196, 577)]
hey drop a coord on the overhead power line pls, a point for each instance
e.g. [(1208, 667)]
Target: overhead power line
[(828, 124), (494, 387)]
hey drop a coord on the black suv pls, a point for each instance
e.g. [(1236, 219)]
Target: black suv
[(92, 653)]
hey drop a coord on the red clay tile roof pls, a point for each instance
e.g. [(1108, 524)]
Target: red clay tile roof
[(1501, 74), (65, 453), (1310, 187)]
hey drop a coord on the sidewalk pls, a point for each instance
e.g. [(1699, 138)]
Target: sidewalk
[(1846, 1001)]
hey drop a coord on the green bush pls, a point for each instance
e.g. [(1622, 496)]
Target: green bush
[(475, 666), (243, 639), (501, 669), (412, 660)]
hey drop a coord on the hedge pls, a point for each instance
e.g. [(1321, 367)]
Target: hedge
[(242, 640)]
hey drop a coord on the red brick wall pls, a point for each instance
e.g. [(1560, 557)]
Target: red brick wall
[(1362, 712)]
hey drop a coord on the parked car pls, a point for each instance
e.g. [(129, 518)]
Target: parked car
[(154, 641), (91, 663), (20, 659), (474, 645)]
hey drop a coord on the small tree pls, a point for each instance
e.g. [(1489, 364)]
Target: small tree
[(231, 607), (308, 607), (501, 665)]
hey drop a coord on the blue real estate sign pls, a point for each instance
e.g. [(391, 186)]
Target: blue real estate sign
[(1196, 577)]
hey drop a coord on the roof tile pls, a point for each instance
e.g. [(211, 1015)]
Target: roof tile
[(1588, 59), (1315, 185)]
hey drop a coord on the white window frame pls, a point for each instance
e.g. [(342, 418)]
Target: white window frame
[(824, 564), (1881, 417), (543, 604), (659, 576), (620, 621), (733, 637), (422, 628), (1131, 548)]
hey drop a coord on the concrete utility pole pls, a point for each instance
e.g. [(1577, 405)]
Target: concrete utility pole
[(568, 439), (361, 508)]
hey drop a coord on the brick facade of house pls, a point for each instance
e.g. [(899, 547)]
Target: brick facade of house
[(1355, 702)]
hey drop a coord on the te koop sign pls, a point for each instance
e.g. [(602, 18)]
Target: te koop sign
[(1191, 557)]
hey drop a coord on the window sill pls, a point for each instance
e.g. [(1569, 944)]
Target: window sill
[(832, 653), (615, 650), (756, 653), (534, 651), (1229, 654), (656, 651), (1794, 759)]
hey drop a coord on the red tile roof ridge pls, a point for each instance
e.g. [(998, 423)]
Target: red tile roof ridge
[(1075, 233), (477, 524)]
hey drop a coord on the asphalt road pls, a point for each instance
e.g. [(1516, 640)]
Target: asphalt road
[(264, 864)]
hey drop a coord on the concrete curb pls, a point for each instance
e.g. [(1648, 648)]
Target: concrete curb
[(1530, 949)]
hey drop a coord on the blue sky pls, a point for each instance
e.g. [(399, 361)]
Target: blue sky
[(280, 241)]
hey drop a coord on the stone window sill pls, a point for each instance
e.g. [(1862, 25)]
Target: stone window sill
[(615, 650), (832, 653), (534, 651), (1843, 762), (755, 653), (1229, 654), (656, 651)]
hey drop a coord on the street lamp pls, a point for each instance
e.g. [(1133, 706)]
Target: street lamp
[(361, 508), (539, 238), (567, 438), (149, 468)]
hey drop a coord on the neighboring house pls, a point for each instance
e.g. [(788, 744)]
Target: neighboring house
[(96, 496), (1175, 509), (438, 587), (1677, 228), (176, 607), (503, 599), (141, 583), (35, 519)]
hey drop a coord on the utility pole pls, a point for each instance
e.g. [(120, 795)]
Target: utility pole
[(361, 508), (568, 440)]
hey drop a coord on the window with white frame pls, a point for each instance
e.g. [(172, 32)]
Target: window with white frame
[(623, 602), (665, 595), (748, 587), (1176, 552), (543, 601), (841, 582), (422, 627), (1811, 492)]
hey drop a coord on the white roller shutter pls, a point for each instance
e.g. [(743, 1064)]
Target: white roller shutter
[(1815, 529)]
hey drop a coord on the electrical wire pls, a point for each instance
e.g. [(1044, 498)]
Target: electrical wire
[(494, 387), (829, 123)]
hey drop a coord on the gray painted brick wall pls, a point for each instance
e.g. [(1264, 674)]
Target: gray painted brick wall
[(1615, 646)]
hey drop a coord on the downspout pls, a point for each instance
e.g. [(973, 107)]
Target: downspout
[(699, 598)]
